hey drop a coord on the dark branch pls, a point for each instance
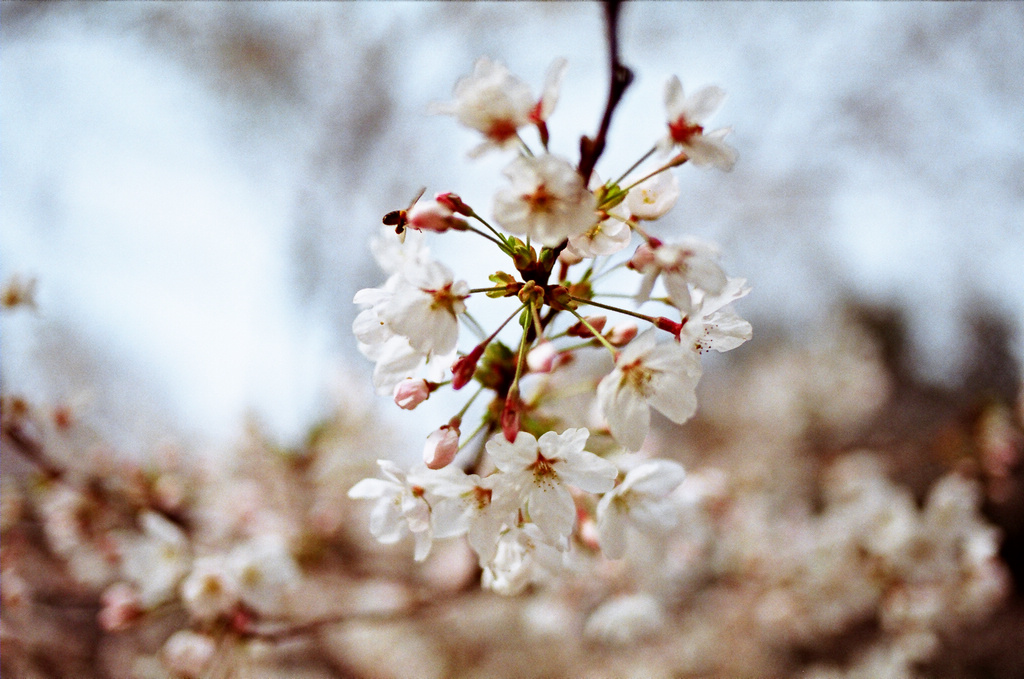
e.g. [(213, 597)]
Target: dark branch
[(621, 77)]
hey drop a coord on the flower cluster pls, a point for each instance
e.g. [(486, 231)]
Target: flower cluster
[(564, 237)]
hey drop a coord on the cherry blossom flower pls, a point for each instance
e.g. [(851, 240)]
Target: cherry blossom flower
[(641, 501), (424, 308), (189, 654), (479, 507), (686, 116), (546, 201), (522, 556), (680, 265), (400, 509), (157, 560), (652, 198), (605, 237), (625, 619), (647, 374), (265, 571), (712, 324), (211, 589), (497, 103), (540, 470)]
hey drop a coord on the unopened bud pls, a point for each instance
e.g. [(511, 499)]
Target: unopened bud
[(581, 330), (510, 420), (442, 446), (454, 203), (409, 393), (542, 357), (622, 334), (642, 258), (465, 366), (433, 216)]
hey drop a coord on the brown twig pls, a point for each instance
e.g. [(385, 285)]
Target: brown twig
[(621, 77)]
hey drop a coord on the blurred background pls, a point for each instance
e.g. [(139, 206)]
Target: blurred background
[(193, 187)]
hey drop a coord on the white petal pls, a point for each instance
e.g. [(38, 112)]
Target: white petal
[(552, 509), (625, 410), (611, 528), (703, 103)]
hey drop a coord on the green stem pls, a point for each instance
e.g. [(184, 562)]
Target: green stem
[(637, 163), (472, 398)]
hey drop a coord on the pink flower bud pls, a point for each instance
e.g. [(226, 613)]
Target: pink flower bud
[(409, 393), (510, 420), (442, 446), (622, 334), (465, 366), (580, 330), (433, 216), (120, 607), (454, 203), (642, 258), (542, 357)]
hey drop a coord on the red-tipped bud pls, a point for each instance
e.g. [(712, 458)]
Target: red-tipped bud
[(409, 393), (622, 334), (454, 203), (433, 216), (510, 418), (442, 445), (642, 258), (580, 330), (465, 366)]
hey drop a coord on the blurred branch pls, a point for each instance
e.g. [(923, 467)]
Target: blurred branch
[(620, 79)]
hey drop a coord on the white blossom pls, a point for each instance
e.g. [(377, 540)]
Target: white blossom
[(478, 507), (606, 237), (712, 324), (625, 619), (523, 556), (686, 117), (680, 265), (158, 560), (647, 374), (541, 470), (189, 654), (497, 103), (265, 571), (211, 589), (652, 198), (641, 501), (546, 201), (424, 308), (400, 509)]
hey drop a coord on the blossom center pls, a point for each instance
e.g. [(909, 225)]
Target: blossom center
[(482, 496), (637, 376), (540, 200), (502, 130), (445, 299), (543, 468), (682, 131)]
